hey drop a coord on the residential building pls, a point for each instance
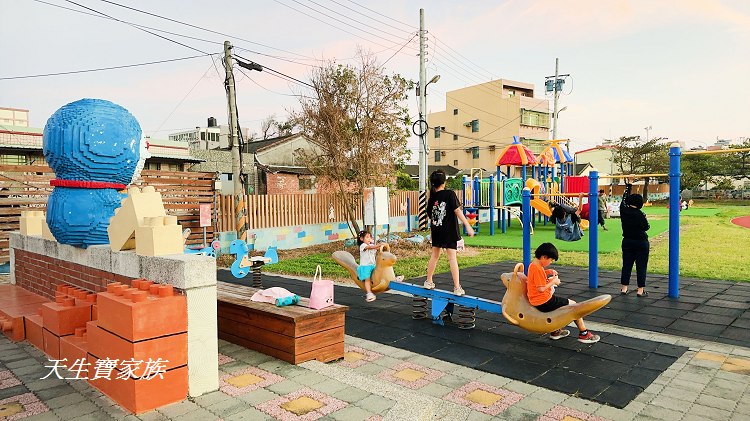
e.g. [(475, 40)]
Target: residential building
[(601, 158), (213, 136), (271, 166), (14, 117), (480, 120)]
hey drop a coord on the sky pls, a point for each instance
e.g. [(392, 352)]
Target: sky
[(680, 67)]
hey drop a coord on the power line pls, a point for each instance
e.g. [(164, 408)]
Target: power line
[(186, 95), (370, 17), (277, 72), (335, 26), (352, 19), (263, 87), (101, 68), (136, 27), (399, 50), (385, 16), (174, 33), (205, 29)]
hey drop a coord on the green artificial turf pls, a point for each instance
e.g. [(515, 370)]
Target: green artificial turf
[(693, 211), (609, 240)]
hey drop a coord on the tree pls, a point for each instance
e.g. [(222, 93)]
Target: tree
[(633, 155), (405, 182), (359, 122), (270, 127)]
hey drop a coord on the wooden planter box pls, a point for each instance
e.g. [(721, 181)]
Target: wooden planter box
[(293, 333)]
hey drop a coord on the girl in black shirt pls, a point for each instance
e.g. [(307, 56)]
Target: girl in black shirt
[(444, 211), (635, 246)]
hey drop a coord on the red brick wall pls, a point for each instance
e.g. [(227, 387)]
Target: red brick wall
[(282, 184), (41, 274)]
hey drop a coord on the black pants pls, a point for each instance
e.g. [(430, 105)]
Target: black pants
[(634, 251), (601, 217)]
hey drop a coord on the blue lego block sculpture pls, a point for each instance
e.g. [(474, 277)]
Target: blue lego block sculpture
[(87, 142)]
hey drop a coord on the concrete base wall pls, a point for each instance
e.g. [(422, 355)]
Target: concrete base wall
[(39, 265)]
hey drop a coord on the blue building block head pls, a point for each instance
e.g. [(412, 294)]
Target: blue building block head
[(95, 148), (93, 140)]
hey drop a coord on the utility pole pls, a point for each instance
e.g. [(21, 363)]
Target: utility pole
[(557, 94), (239, 194), (422, 127), (556, 87)]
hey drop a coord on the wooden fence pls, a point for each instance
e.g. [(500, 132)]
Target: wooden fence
[(26, 187), (283, 210)]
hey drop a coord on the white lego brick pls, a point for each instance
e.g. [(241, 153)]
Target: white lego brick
[(183, 271), (126, 263)]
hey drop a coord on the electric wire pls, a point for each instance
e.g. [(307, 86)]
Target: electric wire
[(174, 33), (102, 68), (352, 19), (335, 26), (186, 95), (385, 16), (370, 17), (277, 72), (399, 50), (136, 27), (206, 29)]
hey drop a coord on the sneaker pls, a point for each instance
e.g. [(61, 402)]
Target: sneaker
[(370, 297), (605, 228), (459, 291), (399, 278), (588, 338), (559, 334), (429, 285)]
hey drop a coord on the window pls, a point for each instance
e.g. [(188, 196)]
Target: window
[(437, 156), (305, 183), (203, 135), (535, 118), (455, 111), (475, 152), (437, 132), (474, 126), (455, 137), (13, 159), (455, 162)]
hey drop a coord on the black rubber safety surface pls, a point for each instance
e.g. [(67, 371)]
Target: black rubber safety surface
[(613, 371)]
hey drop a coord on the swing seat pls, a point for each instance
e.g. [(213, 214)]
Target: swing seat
[(518, 311)]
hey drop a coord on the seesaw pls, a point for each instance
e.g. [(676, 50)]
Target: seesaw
[(515, 306)]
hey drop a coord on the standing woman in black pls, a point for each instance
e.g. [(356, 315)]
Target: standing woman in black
[(635, 244)]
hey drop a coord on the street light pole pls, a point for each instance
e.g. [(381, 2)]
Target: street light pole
[(647, 129)]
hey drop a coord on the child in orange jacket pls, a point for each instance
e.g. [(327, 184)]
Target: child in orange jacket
[(540, 289)]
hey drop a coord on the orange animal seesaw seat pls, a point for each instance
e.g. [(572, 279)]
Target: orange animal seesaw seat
[(381, 276), (518, 311)]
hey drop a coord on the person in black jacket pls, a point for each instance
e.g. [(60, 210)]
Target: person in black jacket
[(635, 246)]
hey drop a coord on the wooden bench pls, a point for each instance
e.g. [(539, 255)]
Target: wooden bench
[(293, 333)]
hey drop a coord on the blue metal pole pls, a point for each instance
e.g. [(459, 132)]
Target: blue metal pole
[(497, 194), (492, 204), (546, 188), (408, 214), (526, 209), (674, 220), (593, 229), (475, 193), (523, 173)]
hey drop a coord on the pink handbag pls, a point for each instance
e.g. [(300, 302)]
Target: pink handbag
[(322, 291)]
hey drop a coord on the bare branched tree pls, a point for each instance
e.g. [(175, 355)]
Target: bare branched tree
[(359, 121)]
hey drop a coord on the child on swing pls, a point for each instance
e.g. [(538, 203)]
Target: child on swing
[(540, 288), (367, 252)]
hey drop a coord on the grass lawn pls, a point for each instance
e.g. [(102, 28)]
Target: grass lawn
[(609, 240), (711, 247)]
